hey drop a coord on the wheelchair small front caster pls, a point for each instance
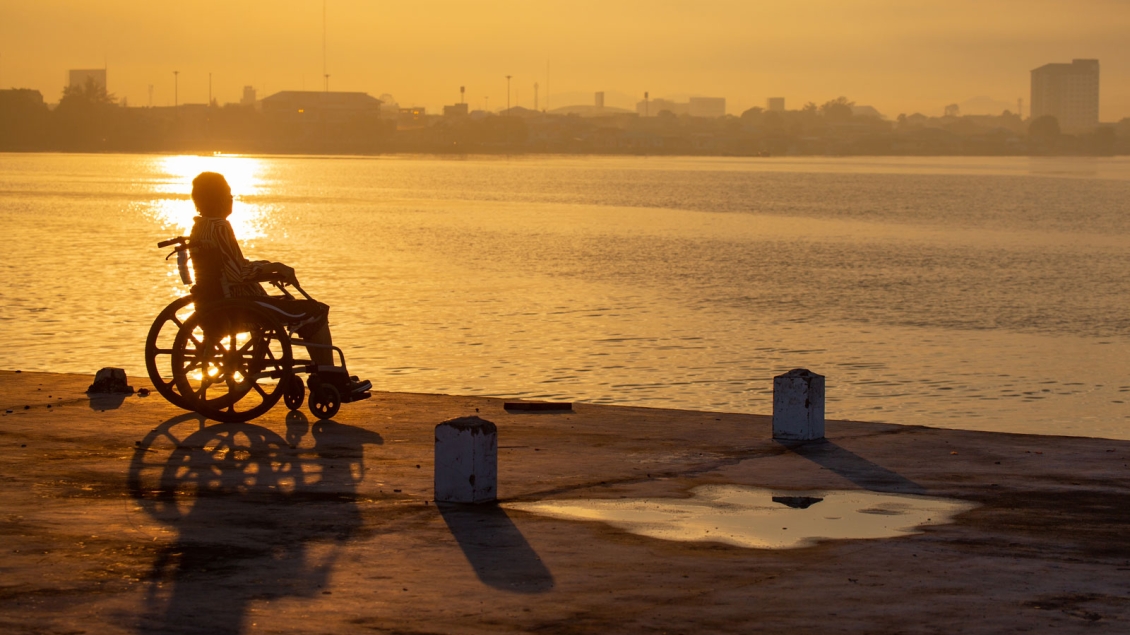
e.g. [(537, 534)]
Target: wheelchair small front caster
[(325, 400), (295, 393)]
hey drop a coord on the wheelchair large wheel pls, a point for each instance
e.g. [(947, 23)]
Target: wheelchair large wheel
[(232, 361), (159, 349)]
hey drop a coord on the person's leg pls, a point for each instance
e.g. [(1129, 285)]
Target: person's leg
[(321, 356), (315, 324)]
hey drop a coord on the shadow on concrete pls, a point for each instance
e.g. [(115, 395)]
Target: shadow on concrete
[(256, 516), (854, 468), (496, 549), (106, 401)]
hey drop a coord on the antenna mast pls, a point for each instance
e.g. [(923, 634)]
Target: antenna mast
[(324, 72)]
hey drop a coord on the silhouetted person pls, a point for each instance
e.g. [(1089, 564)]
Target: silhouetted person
[(223, 272)]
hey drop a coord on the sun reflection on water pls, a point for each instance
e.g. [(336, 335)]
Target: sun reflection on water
[(244, 174)]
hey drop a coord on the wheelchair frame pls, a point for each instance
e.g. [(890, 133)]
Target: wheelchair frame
[(240, 353)]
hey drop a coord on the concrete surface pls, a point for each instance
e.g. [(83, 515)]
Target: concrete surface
[(125, 515)]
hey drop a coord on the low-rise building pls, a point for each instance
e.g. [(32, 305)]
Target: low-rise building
[(695, 107), (311, 105)]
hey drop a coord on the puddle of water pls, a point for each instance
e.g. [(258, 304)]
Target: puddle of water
[(759, 518)]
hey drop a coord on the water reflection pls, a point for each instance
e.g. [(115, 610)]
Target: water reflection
[(759, 518), (947, 292)]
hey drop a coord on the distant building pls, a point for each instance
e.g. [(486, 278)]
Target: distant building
[(455, 110), (1068, 92), (866, 111), (707, 107), (324, 106), (696, 107), (21, 98), (79, 77), (588, 110), (248, 96), (658, 105), (598, 101), (412, 117), (775, 104)]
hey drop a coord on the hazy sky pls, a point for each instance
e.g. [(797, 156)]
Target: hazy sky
[(897, 55)]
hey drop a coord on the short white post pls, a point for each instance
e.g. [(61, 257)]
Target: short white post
[(798, 406), (466, 461)]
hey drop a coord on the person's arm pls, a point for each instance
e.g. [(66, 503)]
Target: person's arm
[(264, 271)]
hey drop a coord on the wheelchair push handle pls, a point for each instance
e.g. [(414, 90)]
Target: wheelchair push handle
[(181, 251)]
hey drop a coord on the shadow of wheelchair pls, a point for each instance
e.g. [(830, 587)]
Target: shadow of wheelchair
[(256, 515)]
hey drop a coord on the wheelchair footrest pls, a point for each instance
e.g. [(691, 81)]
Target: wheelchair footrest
[(360, 396)]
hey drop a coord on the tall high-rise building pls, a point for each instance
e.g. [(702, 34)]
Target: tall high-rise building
[(599, 99), (77, 78), (775, 104), (1068, 92)]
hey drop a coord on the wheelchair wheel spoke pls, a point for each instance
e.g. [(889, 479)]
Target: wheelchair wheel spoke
[(250, 342), (259, 389)]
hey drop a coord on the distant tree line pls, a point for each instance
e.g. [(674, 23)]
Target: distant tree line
[(88, 119)]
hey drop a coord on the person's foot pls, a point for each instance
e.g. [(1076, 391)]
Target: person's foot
[(356, 386)]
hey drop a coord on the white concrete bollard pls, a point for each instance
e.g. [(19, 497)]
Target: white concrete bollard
[(798, 406), (466, 461)]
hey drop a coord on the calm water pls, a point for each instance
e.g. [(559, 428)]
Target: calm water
[(971, 293)]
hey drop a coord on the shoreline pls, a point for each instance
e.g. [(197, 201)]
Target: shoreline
[(495, 153), (329, 526)]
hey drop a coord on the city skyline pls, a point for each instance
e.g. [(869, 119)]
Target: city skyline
[(741, 52)]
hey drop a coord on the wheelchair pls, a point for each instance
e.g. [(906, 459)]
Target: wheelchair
[(232, 360)]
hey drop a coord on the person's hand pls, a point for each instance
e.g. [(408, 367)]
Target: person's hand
[(279, 271), (286, 273)]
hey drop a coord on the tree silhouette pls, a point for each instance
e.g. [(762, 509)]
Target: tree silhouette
[(1044, 128), (839, 109), (85, 97), (86, 115)]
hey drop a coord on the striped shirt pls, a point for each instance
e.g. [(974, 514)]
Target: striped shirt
[(215, 253)]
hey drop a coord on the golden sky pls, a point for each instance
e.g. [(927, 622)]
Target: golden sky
[(897, 55)]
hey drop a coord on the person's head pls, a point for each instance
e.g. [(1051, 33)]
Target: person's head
[(212, 195)]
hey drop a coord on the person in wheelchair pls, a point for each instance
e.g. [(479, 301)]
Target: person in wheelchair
[(223, 272)]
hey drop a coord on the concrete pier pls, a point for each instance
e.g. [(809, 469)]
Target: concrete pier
[(131, 516)]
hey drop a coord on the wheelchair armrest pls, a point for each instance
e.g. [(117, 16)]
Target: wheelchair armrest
[(284, 286)]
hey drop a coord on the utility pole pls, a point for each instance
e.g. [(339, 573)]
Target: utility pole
[(508, 94), (324, 72)]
